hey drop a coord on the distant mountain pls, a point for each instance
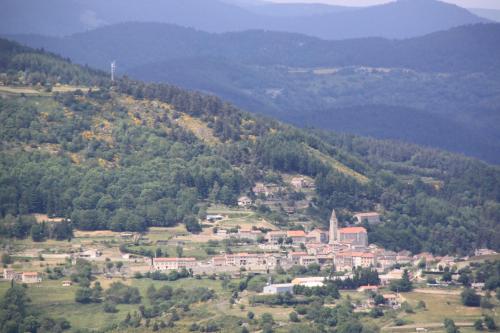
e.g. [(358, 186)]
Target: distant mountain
[(490, 14), (63, 17), (440, 90), (50, 17), (294, 9), (469, 48), (401, 19)]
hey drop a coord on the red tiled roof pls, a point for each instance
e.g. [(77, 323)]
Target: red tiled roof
[(298, 253), (352, 230), (368, 287), (363, 254), (296, 233), (356, 254)]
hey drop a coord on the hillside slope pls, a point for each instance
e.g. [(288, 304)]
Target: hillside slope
[(446, 82), (130, 155), (469, 48), (402, 19)]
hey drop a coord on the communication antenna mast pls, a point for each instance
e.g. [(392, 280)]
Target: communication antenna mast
[(113, 70)]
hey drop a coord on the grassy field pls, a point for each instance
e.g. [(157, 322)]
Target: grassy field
[(234, 217), (30, 90), (50, 297), (443, 306), (22, 90)]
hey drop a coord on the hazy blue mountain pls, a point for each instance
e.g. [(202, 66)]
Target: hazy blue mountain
[(295, 9), (401, 19), (469, 48), (63, 17), (48, 17), (490, 14)]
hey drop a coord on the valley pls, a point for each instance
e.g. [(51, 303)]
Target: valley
[(240, 166)]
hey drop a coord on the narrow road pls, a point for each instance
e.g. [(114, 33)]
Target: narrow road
[(425, 325), (437, 291), (443, 292)]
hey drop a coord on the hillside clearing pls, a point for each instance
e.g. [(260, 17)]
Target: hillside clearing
[(198, 128), (342, 168)]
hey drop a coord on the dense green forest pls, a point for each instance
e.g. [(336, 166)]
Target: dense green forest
[(412, 90), (128, 155)]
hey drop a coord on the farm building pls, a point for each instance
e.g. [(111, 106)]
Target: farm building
[(282, 288)]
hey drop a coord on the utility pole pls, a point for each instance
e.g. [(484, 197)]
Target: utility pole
[(113, 70)]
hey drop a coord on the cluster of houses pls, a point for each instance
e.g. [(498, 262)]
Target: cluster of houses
[(343, 248), (391, 300), (271, 191), (24, 277)]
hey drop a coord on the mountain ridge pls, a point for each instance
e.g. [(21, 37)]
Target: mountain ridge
[(449, 77), (289, 49), (400, 19)]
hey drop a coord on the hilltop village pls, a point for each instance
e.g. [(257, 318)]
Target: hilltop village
[(343, 248), (338, 250)]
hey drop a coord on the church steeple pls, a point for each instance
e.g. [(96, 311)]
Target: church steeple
[(334, 228)]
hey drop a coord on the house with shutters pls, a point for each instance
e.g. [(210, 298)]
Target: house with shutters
[(166, 264)]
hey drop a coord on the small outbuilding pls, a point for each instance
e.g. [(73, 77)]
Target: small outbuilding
[(281, 288)]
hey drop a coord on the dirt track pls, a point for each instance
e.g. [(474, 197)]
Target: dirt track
[(426, 325), (442, 292)]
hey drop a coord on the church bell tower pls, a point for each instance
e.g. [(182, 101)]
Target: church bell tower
[(334, 228)]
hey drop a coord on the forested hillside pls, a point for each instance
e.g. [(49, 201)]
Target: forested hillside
[(447, 51), (128, 155), (445, 82)]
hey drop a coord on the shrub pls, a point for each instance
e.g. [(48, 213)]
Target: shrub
[(376, 312), (490, 323), (83, 295), (110, 307), (294, 318), (470, 298), (450, 326), (421, 305), (478, 325), (122, 294), (6, 259), (301, 309)]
